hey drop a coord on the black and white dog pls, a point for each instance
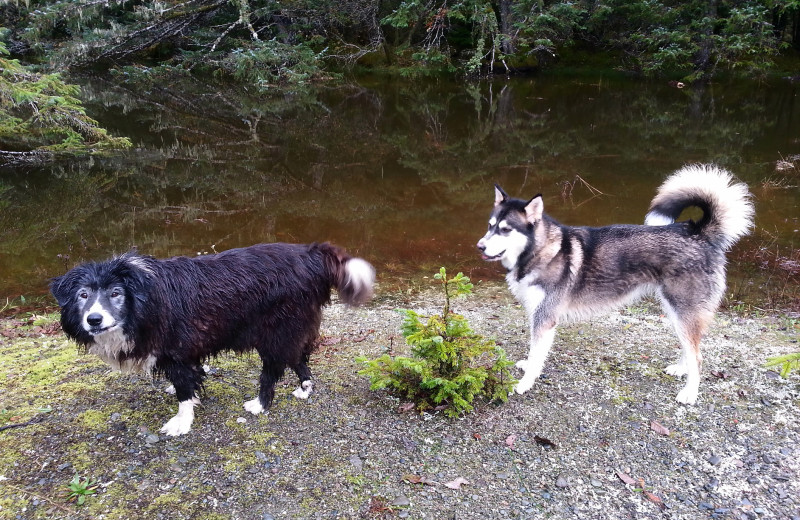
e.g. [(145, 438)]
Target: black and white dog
[(564, 273), (139, 313)]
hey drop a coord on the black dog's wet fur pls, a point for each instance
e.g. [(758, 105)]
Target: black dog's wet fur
[(182, 310)]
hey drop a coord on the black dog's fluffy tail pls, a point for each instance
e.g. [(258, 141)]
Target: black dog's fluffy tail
[(353, 278), (727, 208)]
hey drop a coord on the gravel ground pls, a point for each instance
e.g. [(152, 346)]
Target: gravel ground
[(599, 436)]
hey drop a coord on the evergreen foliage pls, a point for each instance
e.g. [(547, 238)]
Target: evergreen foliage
[(450, 365), (291, 42), (41, 113), (787, 363)]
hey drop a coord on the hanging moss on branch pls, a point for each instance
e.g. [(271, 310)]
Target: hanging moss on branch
[(450, 365)]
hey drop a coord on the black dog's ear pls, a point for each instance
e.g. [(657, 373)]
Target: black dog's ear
[(135, 272), (63, 287), (499, 195)]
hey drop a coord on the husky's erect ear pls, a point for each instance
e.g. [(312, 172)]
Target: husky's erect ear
[(534, 209), (499, 195)]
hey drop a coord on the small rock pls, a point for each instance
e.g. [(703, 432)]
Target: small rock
[(562, 482), (401, 501), (356, 462), (152, 438), (714, 460), (596, 483)]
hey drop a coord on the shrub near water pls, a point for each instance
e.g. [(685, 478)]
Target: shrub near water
[(450, 364)]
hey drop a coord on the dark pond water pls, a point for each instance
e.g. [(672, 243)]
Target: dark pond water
[(400, 172)]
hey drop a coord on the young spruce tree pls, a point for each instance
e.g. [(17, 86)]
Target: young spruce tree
[(449, 366)]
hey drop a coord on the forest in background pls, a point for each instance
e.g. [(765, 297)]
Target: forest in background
[(273, 46)]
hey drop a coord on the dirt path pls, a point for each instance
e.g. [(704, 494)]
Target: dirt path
[(599, 436)]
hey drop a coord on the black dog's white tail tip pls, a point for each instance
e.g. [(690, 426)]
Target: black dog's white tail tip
[(358, 282)]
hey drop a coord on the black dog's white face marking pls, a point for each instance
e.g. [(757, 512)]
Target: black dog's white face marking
[(102, 309)]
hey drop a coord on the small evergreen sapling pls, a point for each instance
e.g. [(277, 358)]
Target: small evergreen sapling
[(787, 363), (450, 365)]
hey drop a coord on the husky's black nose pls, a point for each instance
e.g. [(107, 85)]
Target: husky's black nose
[(481, 246), (94, 319)]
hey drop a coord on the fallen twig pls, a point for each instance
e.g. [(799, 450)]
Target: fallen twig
[(69, 511), (20, 425)]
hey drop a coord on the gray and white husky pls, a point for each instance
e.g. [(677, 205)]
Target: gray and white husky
[(563, 273)]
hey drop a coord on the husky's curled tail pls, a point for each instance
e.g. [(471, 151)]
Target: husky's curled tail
[(727, 208)]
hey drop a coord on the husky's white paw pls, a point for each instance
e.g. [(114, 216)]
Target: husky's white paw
[(304, 390), (687, 395), (254, 406), (522, 364), (524, 384), (677, 370)]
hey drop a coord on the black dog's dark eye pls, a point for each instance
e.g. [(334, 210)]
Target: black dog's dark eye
[(83, 295), (115, 293)]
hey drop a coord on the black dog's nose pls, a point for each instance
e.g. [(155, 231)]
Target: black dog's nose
[(94, 319)]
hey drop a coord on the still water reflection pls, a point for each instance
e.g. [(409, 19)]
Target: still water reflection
[(399, 172)]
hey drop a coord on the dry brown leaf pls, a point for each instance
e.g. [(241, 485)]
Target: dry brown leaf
[(476, 436), (457, 483), (510, 441), (330, 340), (416, 479), (654, 499), (625, 478), (658, 428), (406, 407), (363, 337), (541, 441)]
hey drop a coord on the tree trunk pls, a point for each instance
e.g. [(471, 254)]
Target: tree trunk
[(506, 21), (704, 60)]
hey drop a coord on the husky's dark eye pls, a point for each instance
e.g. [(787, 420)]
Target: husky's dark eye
[(505, 230)]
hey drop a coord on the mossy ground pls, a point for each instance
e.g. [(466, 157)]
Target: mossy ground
[(348, 452)]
